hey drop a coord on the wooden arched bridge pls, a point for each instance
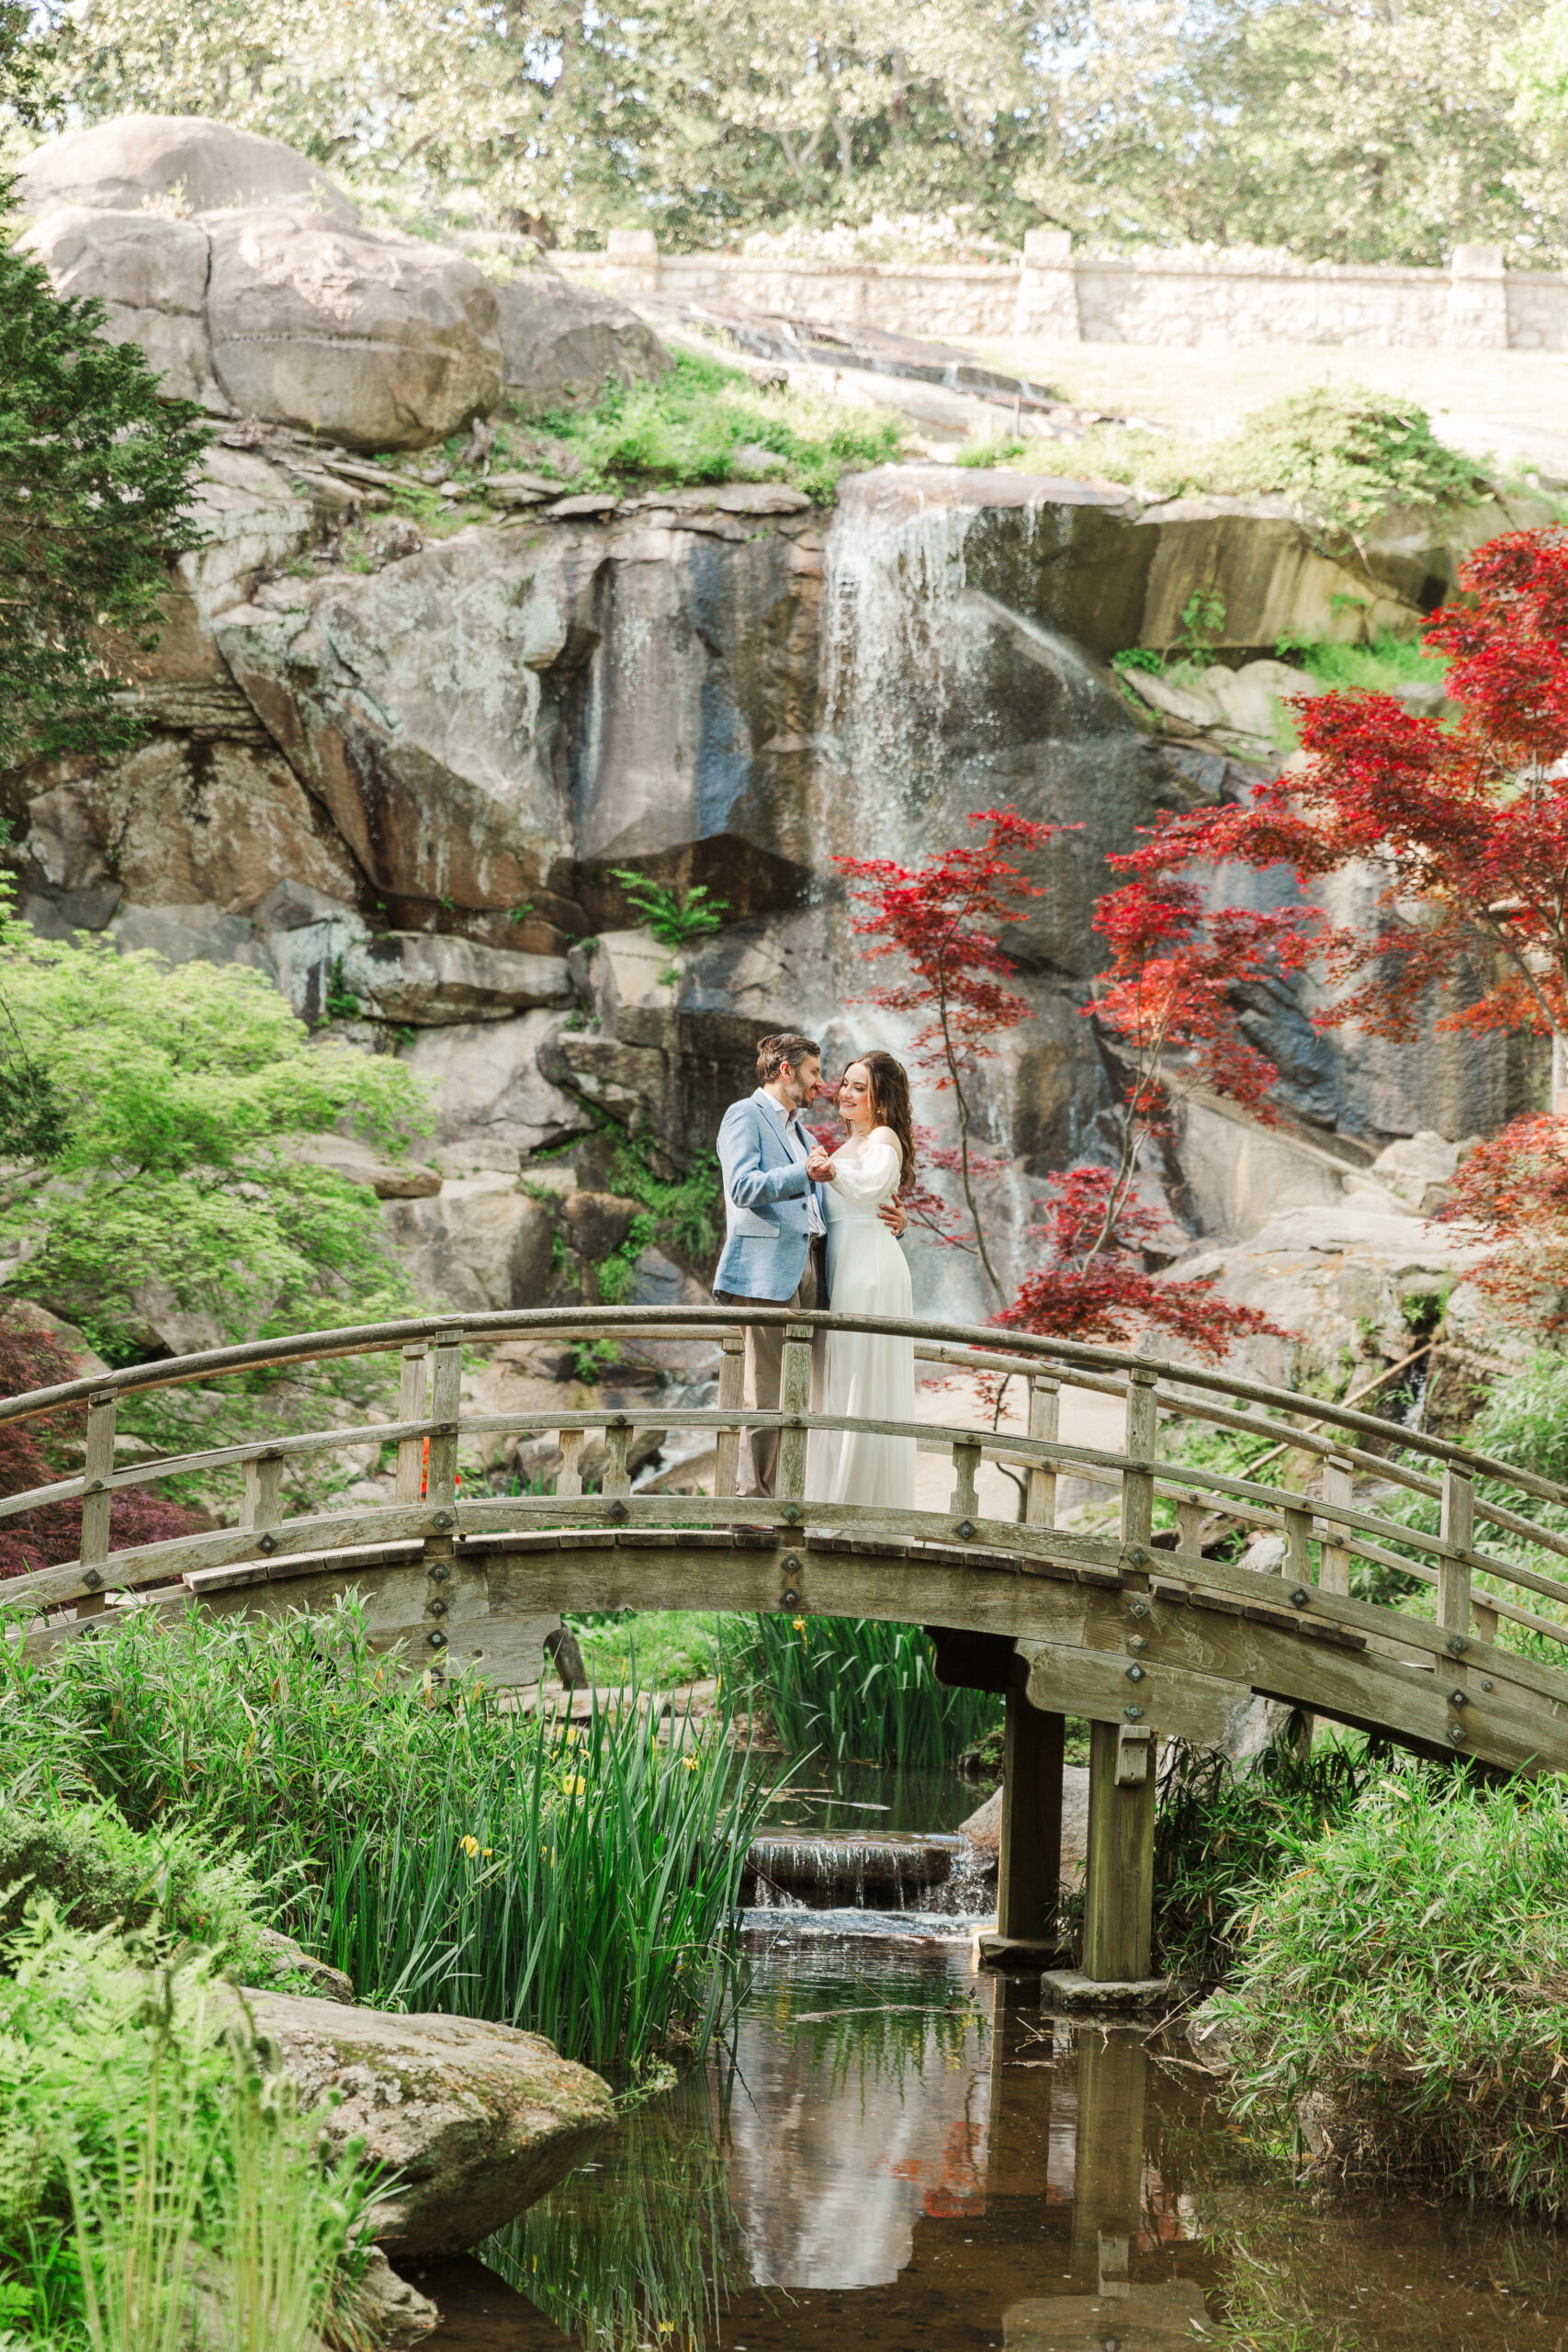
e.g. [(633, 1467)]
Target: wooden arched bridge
[(1125, 1616)]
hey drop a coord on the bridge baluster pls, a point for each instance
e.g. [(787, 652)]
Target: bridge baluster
[(1044, 1421), (568, 1478), (411, 1408), (731, 1392), (795, 1397), (1334, 1563), (617, 1478), (445, 1389), (1296, 1566), (966, 1459), (1458, 1528), (262, 1506), (1191, 1513), (1142, 1440), (98, 1500)]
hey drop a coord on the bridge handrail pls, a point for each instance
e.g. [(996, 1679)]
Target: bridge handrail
[(1066, 1357)]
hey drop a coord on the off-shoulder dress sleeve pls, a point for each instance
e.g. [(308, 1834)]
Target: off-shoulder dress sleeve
[(875, 1171)]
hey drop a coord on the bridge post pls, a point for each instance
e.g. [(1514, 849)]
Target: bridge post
[(1030, 1860), (411, 1408), (1119, 1863), (795, 1398), (1334, 1563), (441, 1492), (731, 1392), (1119, 1866), (262, 1508), (98, 1500), (1044, 1421)]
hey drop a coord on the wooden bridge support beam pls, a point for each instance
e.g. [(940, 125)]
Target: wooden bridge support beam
[(1119, 1868), (1030, 1862)]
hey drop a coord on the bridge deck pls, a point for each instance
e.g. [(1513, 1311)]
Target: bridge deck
[(1141, 1628)]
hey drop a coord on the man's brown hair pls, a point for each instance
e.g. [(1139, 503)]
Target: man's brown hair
[(773, 1052)]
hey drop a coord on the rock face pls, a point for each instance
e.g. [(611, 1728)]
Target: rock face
[(185, 160), (151, 273), (560, 344), (368, 338), (479, 2119)]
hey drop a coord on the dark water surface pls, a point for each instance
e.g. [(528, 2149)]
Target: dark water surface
[(898, 2151)]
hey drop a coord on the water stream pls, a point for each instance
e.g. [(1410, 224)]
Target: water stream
[(900, 2153)]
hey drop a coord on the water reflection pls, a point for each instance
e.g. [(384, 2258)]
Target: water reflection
[(899, 2152)]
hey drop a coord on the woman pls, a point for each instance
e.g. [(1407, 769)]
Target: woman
[(865, 1376)]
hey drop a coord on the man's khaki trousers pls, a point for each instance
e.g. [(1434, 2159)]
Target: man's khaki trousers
[(764, 1359)]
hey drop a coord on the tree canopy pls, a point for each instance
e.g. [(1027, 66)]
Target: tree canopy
[(150, 1122), (1342, 129)]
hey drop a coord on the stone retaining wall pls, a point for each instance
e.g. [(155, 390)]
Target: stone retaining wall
[(1184, 300)]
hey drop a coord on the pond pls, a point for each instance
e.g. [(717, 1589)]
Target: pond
[(898, 2151)]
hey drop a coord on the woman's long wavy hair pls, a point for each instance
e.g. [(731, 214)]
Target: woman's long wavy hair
[(890, 1103)]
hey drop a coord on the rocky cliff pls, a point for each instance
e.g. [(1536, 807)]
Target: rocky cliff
[(395, 767)]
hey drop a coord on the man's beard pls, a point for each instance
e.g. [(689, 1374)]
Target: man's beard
[(799, 1098)]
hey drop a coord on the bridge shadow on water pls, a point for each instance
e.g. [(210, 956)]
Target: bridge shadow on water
[(898, 2151)]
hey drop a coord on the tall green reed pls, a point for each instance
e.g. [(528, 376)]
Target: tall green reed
[(579, 1881), (857, 1687)]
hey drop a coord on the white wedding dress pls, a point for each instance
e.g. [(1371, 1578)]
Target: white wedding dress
[(865, 1376)]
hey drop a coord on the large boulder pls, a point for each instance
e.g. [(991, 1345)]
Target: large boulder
[(479, 1246), (561, 345), (177, 160), (150, 272), (181, 822), (364, 336), (476, 2121)]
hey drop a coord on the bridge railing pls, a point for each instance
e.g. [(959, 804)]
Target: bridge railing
[(1345, 1515)]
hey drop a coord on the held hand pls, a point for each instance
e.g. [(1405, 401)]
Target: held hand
[(819, 1166), (895, 1217)]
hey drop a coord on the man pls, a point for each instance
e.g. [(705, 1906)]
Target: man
[(774, 1253)]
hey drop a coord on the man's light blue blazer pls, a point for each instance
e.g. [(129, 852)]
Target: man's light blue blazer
[(766, 1191)]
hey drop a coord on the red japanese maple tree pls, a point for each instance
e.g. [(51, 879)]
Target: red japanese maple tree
[(1167, 995), (31, 1357), (1467, 829), (941, 919)]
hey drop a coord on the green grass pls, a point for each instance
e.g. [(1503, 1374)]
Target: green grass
[(660, 1648), (1220, 1830), (447, 1854), (142, 2146), (688, 427), (857, 1688), (1411, 1973)]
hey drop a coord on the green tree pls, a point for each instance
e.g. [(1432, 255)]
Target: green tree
[(180, 1101), (97, 484)]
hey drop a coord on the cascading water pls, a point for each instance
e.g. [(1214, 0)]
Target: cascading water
[(948, 689)]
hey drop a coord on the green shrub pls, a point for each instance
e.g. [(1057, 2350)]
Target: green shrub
[(1410, 1974), (578, 1881), (1341, 453), (856, 1687), (103, 1873)]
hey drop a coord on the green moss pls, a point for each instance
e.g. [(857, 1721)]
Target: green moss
[(658, 1648)]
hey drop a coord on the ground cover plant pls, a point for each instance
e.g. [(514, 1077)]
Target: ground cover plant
[(577, 1880), (1409, 1976), (855, 1688), (149, 2168)]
